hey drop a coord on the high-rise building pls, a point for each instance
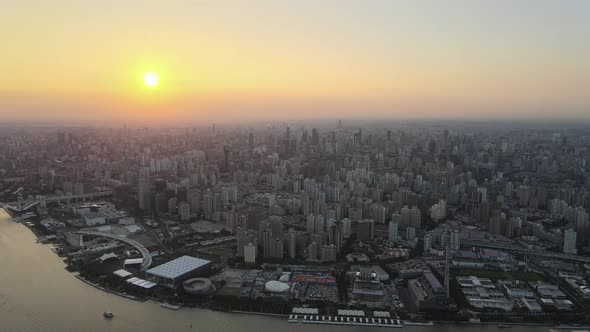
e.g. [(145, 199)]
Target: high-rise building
[(569, 242), (312, 251), (250, 253), (411, 217), (427, 241), (143, 189), (184, 211), (267, 243), (366, 230), (347, 227), (292, 243), (392, 232), (276, 225), (172, 206), (193, 197), (328, 253), (232, 221), (410, 234), (439, 210), (455, 240)]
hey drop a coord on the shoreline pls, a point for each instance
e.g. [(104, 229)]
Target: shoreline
[(431, 323), (127, 296)]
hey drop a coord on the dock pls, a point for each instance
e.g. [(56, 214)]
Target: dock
[(343, 320)]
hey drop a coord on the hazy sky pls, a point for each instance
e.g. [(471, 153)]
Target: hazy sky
[(270, 59)]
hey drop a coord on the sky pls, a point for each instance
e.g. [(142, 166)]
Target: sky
[(263, 60)]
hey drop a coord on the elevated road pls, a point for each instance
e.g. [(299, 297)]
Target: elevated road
[(24, 205), (147, 258), (521, 250)]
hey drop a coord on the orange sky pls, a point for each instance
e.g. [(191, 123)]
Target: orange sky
[(242, 60)]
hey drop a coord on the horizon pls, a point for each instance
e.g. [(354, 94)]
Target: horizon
[(236, 61)]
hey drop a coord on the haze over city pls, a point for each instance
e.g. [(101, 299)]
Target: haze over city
[(295, 165), (234, 61)]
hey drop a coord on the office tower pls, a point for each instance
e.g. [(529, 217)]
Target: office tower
[(184, 211), (267, 244), (455, 240), (497, 222), (410, 234), (447, 273), (319, 224), (569, 242), (310, 226), (276, 225), (439, 210), (232, 221), (315, 137), (444, 239), (241, 241), (411, 217), (427, 241), (193, 197), (328, 253), (278, 248), (292, 243), (312, 251), (172, 208), (226, 156), (347, 227), (392, 232), (143, 189), (366, 230), (250, 253)]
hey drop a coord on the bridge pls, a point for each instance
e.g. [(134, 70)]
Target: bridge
[(147, 258), (23, 205)]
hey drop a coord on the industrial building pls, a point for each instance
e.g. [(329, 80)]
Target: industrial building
[(174, 272)]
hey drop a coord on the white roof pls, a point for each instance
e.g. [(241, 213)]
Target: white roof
[(133, 228), (131, 261), (122, 273), (141, 283), (305, 311), (178, 267), (343, 312), (276, 286)]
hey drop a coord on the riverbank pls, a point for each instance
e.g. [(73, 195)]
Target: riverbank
[(127, 296), (213, 307)]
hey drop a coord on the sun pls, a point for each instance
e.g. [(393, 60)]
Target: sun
[(150, 79)]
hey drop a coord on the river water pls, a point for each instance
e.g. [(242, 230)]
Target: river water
[(38, 294)]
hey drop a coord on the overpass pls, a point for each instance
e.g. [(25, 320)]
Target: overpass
[(147, 258), (524, 251), (23, 205)]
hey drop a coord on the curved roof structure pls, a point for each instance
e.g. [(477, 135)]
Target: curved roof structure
[(147, 258)]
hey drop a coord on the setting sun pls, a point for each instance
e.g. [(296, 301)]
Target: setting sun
[(150, 79)]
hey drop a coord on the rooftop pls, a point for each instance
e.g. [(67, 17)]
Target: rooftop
[(178, 267)]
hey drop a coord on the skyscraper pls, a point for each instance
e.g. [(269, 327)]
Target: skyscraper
[(569, 242), (143, 189), (427, 241), (455, 240), (292, 242), (392, 231)]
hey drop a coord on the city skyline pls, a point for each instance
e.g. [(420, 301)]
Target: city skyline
[(245, 61)]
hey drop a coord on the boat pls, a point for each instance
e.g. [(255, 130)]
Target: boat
[(504, 326), (107, 314)]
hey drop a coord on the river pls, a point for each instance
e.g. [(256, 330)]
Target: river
[(38, 294)]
